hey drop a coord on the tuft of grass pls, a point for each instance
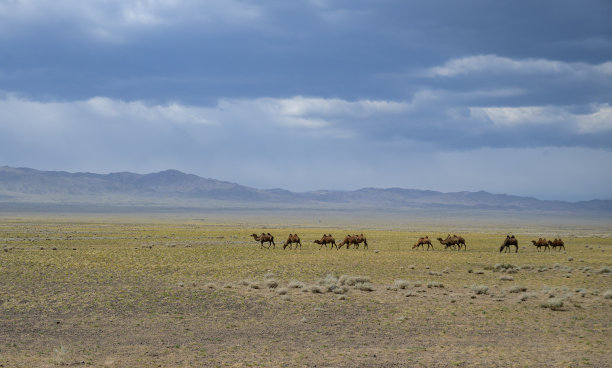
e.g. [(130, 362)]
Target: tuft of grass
[(401, 284), (480, 289), (282, 291), (315, 289), (244, 282), (505, 267), (364, 286), (517, 289), (271, 283), (604, 270), (255, 285), (210, 285), (434, 284), (434, 273), (269, 275), (295, 285), (553, 304), (506, 278), (525, 296), (608, 294), (352, 280)]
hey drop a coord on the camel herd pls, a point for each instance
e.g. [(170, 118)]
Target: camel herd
[(554, 244), (454, 242), (354, 240)]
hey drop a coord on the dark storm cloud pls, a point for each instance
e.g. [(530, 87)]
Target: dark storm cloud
[(228, 88)]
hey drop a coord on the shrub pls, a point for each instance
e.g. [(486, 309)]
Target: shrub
[(434, 273), (244, 282), (604, 270), (517, 289), (505, 267), (506, 278), (526, 296), (364, 286), (315, 289), (401, 284), (352, 280), (553, 304), (282, 291), (295, 285), (480, 289), (608, 294), (271, 283)]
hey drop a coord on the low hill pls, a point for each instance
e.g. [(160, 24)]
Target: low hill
[(172, 187)]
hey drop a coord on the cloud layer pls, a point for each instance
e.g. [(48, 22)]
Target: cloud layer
[(317, 94)]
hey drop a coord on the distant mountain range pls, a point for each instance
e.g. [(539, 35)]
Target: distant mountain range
[(23, 185)]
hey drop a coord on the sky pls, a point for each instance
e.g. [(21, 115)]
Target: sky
[(508, 97)]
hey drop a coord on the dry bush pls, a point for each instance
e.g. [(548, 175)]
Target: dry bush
[(401, 284), (295, 285), (604, 270), (480, 289), (553, 304), (517, 289), (364, 286), (352, 280)]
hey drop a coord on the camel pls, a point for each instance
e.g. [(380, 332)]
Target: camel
[(459, 240), (452, 241), (361, 239), (348, 240), (557, 243), (510, 240), (293, 238), (325, 240), (421, 243), (541, 242), (264, 238), (448, 242)]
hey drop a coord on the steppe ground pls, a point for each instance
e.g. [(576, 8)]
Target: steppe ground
[(190, 292)]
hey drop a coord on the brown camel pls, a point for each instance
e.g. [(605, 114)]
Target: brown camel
[(510, 240), (264, 238), (557, 243), (325, 240), (446, 242), (450, 241), (421, 243), (293, 238), (361, 239), (348, 240), (541, 242), (459, 240)]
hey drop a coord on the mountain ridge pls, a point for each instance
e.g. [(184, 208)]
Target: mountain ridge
[(26, 184)]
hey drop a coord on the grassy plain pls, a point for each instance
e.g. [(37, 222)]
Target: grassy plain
[(190, 292)]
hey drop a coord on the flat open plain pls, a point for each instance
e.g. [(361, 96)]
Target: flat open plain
[(192, 292)]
